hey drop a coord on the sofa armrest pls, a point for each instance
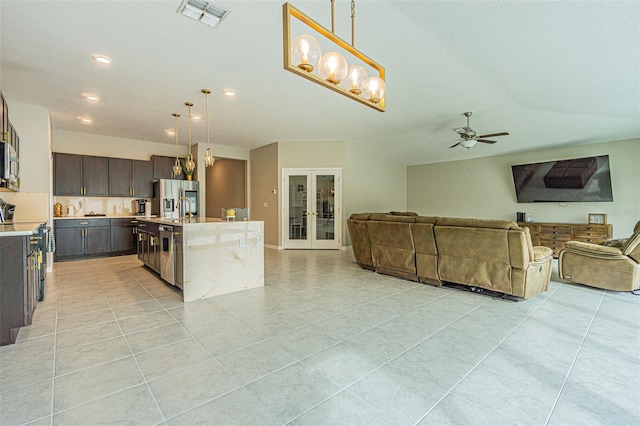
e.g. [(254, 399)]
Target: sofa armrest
[(542, 254), (592, 249)]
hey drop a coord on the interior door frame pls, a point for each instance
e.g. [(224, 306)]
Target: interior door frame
[(311, 242)]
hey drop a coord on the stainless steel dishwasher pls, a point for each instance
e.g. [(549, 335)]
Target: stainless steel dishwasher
[(167, 255)]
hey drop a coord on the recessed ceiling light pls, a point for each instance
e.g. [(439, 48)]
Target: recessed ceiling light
[(195, 117), (90, 97), (85, 120), (170, 132), (228, 93), (101, 59)]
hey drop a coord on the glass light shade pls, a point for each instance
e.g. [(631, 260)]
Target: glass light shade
[(305, 52), (208, 158), (177, 168), (374, 89), (356, 76), (470, 143), (333, 67), (190, 165)]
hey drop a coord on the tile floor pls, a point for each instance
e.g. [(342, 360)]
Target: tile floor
[(323, 343)]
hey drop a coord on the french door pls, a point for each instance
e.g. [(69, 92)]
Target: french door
[(311, 208)]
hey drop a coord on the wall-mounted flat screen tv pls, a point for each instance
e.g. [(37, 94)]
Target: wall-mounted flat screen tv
[(577, 179)]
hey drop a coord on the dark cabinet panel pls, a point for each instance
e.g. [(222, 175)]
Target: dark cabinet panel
[(124, 236), (69, 243), (97, 240), (14, 283), (80, 238), (130, 178), (142, 178), (163, 167), (67, 175), (4, 118), (80, 175), (119, 177), (95, 175)]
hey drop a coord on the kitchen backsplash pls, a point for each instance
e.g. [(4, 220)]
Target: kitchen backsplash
[(30, 206), (111, 206)]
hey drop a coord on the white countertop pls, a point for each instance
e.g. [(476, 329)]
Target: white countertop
[(194, 221), (104, 217), (19, 228)]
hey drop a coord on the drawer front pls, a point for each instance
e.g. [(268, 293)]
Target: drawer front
[(590, 239), (555, 230), (533, 229), (603, 229), (548, 239), (81, 223), (124, 222)]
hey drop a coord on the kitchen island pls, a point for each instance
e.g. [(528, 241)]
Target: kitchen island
[(204, 257)]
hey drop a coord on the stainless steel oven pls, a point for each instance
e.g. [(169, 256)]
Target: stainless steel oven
[(167, 255)]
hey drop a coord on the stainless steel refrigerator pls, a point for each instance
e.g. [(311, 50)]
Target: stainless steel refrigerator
[(167, 192)]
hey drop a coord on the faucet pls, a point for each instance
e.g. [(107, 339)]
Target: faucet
[(180, 215)]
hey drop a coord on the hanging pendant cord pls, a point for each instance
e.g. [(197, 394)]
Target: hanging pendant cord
[(333, 27), (353, 23)]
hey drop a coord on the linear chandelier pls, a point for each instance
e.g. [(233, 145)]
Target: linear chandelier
[(303, 56)]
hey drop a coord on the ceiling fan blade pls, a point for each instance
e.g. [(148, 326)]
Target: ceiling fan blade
[(453, 146), (494, 134), (485, 141)]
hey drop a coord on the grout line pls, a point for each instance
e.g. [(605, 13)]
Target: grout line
[(485, 357), (575, 358)]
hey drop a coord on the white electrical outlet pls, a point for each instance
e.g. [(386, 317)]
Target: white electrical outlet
[(266, 204), (242, 245)]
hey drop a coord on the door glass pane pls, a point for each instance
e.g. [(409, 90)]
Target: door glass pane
[(325, 196), (297, 207)]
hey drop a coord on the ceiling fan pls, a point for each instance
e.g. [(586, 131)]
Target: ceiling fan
[(469, 137)]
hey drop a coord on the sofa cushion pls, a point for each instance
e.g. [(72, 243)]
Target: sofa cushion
[(424, 242), (392, 244), (360, 241), (360, 216), (386, 217), (474, 256), (395, 213), (476, 223)]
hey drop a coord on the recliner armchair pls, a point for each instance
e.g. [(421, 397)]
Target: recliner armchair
[(608, 266)]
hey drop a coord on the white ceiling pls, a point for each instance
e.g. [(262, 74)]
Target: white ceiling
[(551, 73)]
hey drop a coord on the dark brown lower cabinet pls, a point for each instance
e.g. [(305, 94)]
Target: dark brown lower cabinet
[(18, 286), (81, 238), (124, 236)]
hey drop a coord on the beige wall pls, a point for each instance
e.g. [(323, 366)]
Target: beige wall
[(33, 125), (483, 188), (263, 169), (372, 183), (226, 181)]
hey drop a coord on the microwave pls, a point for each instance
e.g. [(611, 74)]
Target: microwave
[(8, 166)]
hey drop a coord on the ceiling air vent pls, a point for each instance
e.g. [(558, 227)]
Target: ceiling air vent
[(204, 11)]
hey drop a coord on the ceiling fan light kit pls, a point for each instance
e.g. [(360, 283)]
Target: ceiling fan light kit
[(469, 136), (303, 56)]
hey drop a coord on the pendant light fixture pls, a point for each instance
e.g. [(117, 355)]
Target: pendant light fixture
[(208, 154), (190, 165), (177, 168), (303, 56)]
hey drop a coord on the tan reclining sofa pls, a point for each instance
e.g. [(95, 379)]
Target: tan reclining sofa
[(612, 265), (496, 255)]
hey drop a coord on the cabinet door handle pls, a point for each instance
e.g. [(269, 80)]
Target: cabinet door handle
[(84, 223)]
